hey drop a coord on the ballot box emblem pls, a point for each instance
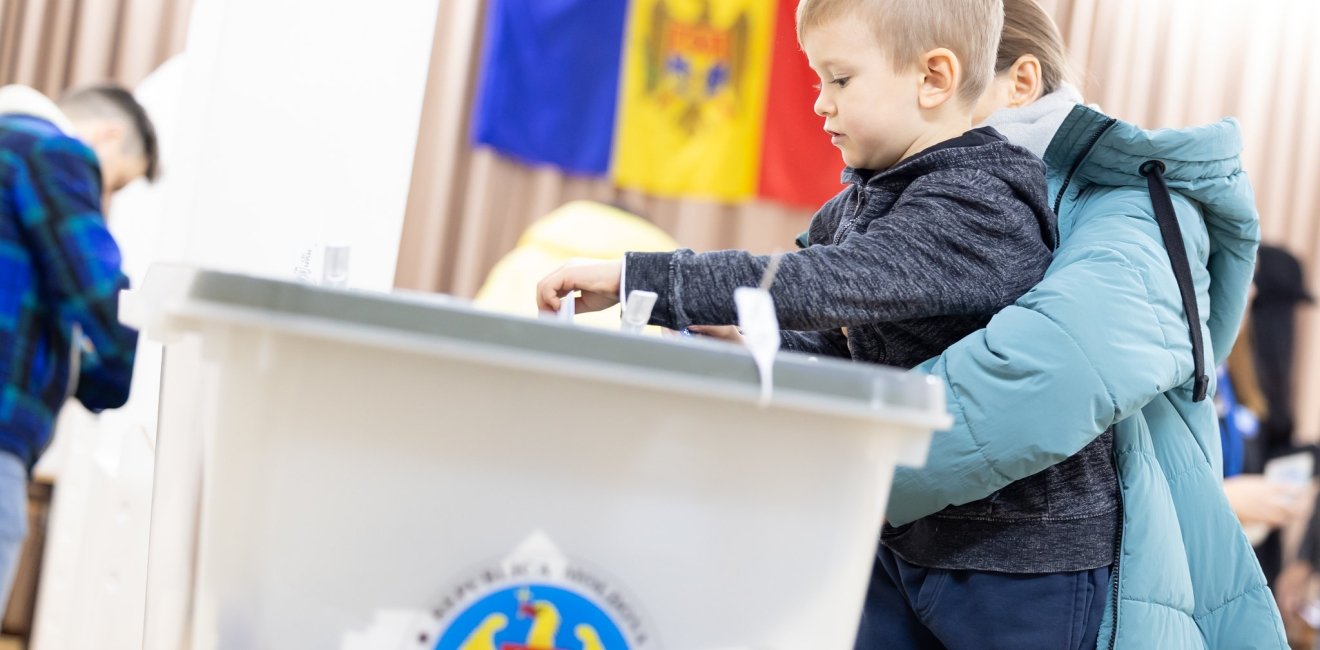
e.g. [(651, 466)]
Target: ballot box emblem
[(538, 599), (534, 616)]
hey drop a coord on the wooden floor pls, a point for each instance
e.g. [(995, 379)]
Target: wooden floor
[(10, 643)]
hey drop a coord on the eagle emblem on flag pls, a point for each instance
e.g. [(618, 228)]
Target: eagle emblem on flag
[(693, 67)]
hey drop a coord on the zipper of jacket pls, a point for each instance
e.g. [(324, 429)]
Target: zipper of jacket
[(1118, 555), (857, 213), (1077, 164)]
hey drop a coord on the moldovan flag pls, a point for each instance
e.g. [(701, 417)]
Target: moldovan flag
[(692, 106)]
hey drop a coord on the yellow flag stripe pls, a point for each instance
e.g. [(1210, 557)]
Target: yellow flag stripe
[(692, 105)]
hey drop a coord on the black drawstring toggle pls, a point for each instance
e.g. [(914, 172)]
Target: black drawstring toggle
[(1152, 167)]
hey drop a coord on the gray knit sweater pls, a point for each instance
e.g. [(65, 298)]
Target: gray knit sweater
[(909, 260), (900, 265)]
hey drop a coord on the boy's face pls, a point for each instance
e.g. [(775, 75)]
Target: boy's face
[(871, 113)]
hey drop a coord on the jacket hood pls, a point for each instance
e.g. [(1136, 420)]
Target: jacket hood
[(1202, 164)]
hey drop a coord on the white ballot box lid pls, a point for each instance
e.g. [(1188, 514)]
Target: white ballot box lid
[(176, 298)]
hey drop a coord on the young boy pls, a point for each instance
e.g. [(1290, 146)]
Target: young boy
[(940, 227)]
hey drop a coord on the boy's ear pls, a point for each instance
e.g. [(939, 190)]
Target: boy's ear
[(941, 76), (106, 133)]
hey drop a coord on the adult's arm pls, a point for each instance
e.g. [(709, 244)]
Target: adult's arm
[(1099, 338)]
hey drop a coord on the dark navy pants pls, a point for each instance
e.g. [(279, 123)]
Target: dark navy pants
[(908, 606)]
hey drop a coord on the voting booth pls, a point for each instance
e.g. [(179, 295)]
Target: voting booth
[(339, 469)]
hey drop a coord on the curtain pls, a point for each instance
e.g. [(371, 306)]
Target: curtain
[(1170, 63), (52, 45)]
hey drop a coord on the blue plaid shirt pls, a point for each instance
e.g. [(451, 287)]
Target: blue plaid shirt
[(59, 268)]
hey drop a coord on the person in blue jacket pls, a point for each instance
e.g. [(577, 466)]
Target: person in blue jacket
[(1112, 341), (60, 274)]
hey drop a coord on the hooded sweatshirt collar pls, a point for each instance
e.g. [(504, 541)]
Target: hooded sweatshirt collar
[(22, 100), (1033, 126)]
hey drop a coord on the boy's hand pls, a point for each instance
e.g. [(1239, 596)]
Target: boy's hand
[(598, 282)]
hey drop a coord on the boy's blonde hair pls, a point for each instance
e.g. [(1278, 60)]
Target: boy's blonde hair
[(907, 29)]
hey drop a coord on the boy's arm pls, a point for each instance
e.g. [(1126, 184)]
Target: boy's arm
[(943, 249), (59, 209)]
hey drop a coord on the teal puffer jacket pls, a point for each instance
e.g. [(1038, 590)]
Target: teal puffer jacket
[(1103, 341)]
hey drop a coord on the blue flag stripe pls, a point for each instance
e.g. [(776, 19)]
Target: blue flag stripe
[(550, 81)]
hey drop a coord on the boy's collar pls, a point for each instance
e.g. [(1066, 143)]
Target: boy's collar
[(975, 137)]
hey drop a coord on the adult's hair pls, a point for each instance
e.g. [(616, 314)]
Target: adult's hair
[(1029, 29), (906, 29), (113, 102)]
